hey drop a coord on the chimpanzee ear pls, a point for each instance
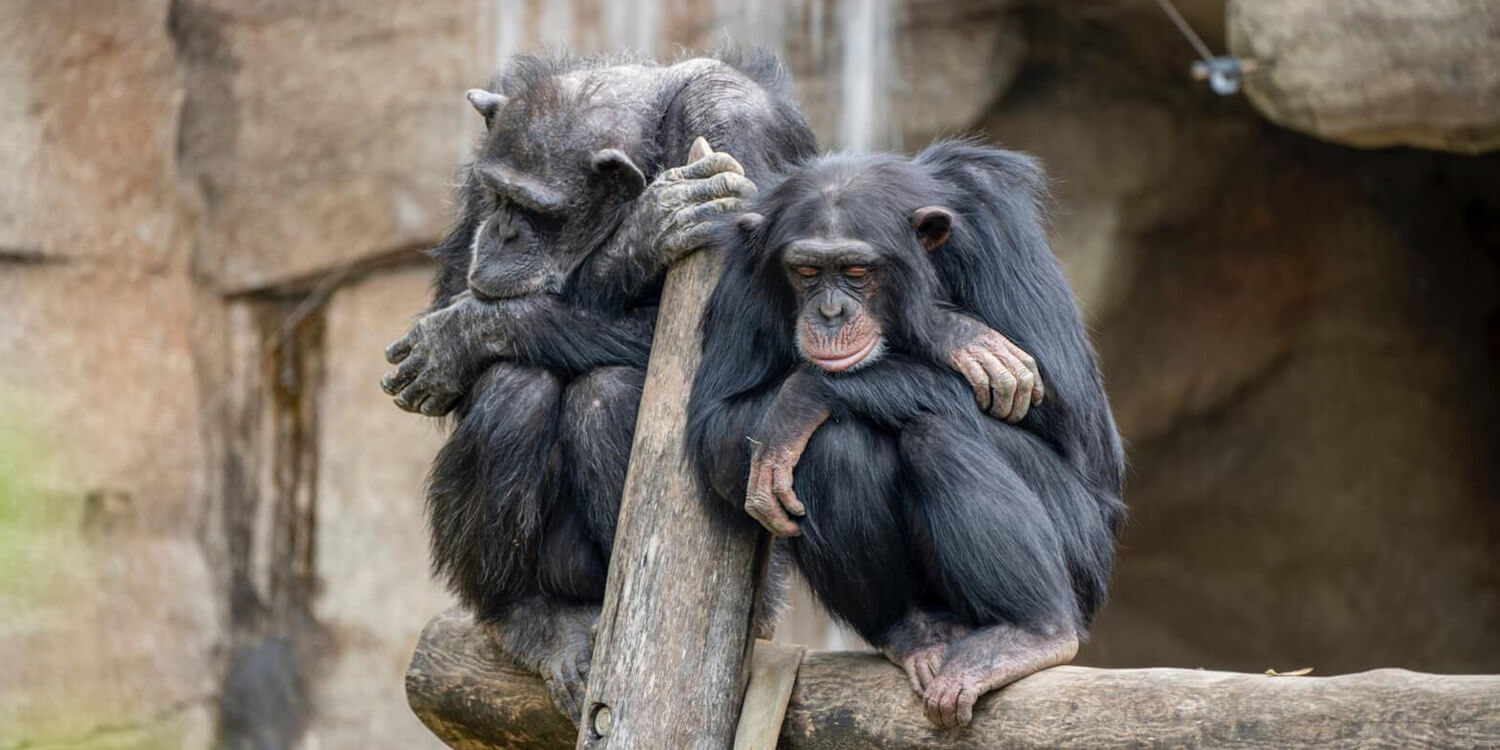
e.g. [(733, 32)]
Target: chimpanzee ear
[(487, 103), (932, 224), (614, 165), (750, 223)]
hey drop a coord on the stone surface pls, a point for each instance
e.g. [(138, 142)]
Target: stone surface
[(89, 96), (375, 591), (1375, 72), (1292, 334), (100, 360), (323, 134), (110, 622)]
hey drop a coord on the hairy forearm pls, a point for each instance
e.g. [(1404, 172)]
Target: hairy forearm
[(896, 390), (545, 332)]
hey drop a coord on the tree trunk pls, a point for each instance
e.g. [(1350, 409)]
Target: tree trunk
[(671, 654), (859, 700)]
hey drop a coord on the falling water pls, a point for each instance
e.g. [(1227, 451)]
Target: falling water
[(855, 37), (867, 30)]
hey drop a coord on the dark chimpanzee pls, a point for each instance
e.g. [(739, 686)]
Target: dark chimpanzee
[(544, 310), (972, 552)]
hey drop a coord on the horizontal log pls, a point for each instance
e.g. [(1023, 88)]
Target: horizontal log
[(471, 699)]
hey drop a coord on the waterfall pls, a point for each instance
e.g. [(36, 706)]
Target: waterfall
[(848, 43), (867, 31)]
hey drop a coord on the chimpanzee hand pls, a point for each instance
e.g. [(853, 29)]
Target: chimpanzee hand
[(795, 414), (676, 213), (442, 355), (1006, 380)]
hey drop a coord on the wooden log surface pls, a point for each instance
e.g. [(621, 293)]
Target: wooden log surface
[(671, 655), (472, 700)]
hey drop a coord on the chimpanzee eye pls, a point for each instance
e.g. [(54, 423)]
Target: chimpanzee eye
[(857, 272), (806, 272)]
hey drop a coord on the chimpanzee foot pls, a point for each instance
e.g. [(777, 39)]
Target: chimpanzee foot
[(565, 676), (991, 658), (918, 643)]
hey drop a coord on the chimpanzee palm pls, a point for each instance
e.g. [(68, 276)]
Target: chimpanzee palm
[(545, 305), (971, 551)]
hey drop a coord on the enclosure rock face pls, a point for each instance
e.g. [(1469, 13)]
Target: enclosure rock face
[(322, 134), (1375, 72), (109, 614), (1292, 334), (370, 521), (89, 95)]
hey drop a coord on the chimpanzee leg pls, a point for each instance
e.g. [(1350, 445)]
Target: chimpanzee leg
[(598, 424), (489, 487), (551, 637), (853, 549), (980, 495), (919, 642)]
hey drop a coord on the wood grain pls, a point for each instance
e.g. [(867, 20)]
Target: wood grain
[(670, 660), (842, 699)]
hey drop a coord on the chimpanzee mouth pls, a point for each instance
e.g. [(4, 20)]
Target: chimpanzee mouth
[(839, 362)]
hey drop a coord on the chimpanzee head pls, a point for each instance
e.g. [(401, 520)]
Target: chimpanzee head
[(558, 164), (846, 239)]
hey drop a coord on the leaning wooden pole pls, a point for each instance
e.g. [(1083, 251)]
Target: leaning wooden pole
[(845, 700), (674, 636)]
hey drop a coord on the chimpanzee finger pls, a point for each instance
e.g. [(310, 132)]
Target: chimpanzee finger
[(974, 373), (781, 487), (1002, 383), (403, 346), (562, 698), (688, 241), (412, 396), (1021, 402), (965, 714), (721, 185), (408, 371), (704, 168), (695, 214), (768, 512), (439, 404), (1038, 391)]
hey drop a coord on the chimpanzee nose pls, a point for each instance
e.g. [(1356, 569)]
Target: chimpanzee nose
[(830, 310)]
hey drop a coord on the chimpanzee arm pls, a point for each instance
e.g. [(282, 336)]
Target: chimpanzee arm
[(676, 215), (998, 268), (449, 348), (897, 390)]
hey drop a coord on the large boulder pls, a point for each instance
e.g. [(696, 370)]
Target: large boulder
[(1375, 72)]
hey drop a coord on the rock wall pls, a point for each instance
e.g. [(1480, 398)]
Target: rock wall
[(210, 521)]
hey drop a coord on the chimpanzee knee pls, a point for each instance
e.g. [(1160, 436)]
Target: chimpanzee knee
[(488, 487), (570, 565), (853, 549), (984, 536), (598, 424)]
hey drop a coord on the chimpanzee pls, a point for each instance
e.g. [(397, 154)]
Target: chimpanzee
[(545, 305), (971, 551)]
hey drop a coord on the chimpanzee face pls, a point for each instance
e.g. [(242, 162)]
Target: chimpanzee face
[(840, 283), (836, 281), (551, 170)]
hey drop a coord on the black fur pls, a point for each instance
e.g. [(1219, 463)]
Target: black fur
[(914, 498), (523, 497)]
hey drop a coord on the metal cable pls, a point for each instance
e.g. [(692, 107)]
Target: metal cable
[(1187, 31)]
